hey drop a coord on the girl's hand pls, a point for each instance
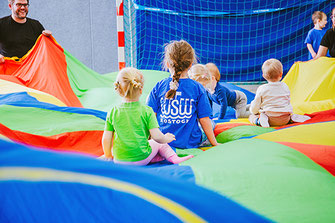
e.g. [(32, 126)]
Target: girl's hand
[(169, 137)]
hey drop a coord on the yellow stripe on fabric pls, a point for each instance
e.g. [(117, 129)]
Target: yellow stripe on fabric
[(317, 133), (44, 174), (7, 87), (4, 138)]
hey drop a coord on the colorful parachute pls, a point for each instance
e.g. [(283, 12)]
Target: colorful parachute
[(50, 100)]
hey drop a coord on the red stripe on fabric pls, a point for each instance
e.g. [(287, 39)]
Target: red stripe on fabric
[(321, 154), (225, 126), (88, 142), (120, 39)]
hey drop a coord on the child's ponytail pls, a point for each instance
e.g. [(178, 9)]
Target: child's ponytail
[(179, 56)]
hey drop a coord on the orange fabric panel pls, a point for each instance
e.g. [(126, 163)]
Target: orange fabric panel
[(44, 68)]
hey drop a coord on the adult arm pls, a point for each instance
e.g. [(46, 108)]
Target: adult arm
[(321, 52), (107, 144), (311, 50), (159, 137), (208, 129)]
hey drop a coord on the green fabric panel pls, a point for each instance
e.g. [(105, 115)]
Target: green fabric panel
[(186, 152), (96, 91), (269, 178), (241, 131), (49, 122)]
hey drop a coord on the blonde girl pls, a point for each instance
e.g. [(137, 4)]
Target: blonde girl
[(128, 126)]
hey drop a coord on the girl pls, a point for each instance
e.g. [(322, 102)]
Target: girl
[(180, 102), (132, 124)]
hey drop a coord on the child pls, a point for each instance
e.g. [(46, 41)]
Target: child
[(200, 73), (315, 35), (271, 105), (179, 101), (132, 124), (225, 97)]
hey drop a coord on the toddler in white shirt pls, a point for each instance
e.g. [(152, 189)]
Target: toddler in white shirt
[(271, 106)]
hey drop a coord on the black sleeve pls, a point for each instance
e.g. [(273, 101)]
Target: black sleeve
[(327, 40)]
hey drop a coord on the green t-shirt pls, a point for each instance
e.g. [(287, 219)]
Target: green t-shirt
[(130, 123)]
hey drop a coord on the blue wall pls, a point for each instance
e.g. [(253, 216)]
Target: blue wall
[(87, 29)]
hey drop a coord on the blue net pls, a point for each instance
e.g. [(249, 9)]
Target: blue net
[(238, 36)]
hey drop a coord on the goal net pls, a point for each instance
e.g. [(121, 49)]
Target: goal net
[(238, 36)]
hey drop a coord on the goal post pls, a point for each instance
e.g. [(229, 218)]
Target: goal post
[(238, 36)]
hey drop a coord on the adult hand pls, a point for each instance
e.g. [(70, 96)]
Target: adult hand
[(2, 59), (47, 33)]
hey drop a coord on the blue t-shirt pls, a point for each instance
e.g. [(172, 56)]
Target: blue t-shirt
[(224, 97), (314, 38), (180, 115)]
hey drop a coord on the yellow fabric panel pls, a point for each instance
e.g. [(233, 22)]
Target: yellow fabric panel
[(312, 85), (7, 87), (318, 134)]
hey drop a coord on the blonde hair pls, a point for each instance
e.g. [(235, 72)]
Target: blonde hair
[(199, 73), (214, 70), (129, 83), (272, 69), (318, 15), (180, 56)]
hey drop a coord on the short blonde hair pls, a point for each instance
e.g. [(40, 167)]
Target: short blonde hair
[(272, 69), (129, 82), (214, 70), (318, 15), (199, 73)]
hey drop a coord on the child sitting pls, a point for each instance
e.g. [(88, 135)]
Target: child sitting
[(129, 125), (271, 106), (225, 97), (180, 102)]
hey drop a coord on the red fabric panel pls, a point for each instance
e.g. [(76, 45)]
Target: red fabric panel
[(321, 154), (9, 66), (45, 69), (88, 142)]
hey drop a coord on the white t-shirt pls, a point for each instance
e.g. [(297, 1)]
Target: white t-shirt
[(272, 98)]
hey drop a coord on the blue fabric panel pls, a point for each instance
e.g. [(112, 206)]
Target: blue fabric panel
[(56, 201), (23, 99)]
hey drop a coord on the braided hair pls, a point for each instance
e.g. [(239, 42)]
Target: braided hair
[(179, 55)]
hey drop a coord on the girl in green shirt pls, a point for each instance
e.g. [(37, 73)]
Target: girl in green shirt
[(129, 125)]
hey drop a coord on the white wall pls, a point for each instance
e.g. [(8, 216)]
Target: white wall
[(87, 28)]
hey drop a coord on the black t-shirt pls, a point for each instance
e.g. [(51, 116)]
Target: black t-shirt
[(16, 39), (328, 41)]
